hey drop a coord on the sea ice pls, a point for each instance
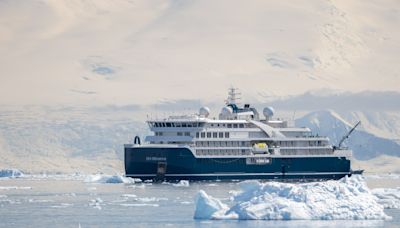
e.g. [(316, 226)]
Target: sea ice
[(182, 183), (139, 205), (11, 173), (345, 199), (388, 197), (108, 179)]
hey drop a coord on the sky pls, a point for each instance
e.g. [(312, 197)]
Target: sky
[(146, 52)]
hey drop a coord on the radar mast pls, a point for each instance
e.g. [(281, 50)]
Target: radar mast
[(233, 96)]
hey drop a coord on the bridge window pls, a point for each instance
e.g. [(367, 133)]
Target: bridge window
[(229, 125), (189, 125), (168, 124), (235, 126), (241, 125), (183, 124)]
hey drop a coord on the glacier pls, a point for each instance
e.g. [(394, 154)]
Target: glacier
[(346, 199)]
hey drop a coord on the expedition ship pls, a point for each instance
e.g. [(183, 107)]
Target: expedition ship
[(238, 145)]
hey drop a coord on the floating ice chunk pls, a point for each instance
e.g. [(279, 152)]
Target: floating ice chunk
[(182, 183), (152, 199), (63, 205), (208, 207), (108, 179), (14, 187), (96, 203), (139, 205), (388, 197), (346, 199), (10, 173), (129, 195)]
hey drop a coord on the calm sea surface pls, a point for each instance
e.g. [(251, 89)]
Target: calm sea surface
[(72, 203)]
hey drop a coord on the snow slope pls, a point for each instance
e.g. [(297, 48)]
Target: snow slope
[(143, 51)]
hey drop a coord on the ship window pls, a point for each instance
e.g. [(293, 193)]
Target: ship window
[(203, 134), (187, 133), (229, 125), (163, 124), (194, 124), (201, 124), (235, 126), (197, 134), (241, 125), (217, 125), (212, 125), (220, 135), (189, 125), (226, 134), (168, 124), (215, 134), (179, 133), (183, 124), (208, 134), (177, 124)]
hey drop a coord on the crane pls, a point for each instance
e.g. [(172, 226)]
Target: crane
[(346, 136)]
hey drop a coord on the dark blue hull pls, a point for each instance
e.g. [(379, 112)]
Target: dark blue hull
[(180, 164)]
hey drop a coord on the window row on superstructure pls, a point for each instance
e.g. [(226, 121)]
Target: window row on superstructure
[(176, 124)]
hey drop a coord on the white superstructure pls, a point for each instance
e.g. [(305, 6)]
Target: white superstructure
[(238, 132)]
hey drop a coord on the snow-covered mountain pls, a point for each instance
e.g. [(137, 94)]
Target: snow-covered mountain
[(365, 145), (142, 51)]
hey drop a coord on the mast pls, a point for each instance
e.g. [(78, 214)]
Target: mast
[(233, 96)]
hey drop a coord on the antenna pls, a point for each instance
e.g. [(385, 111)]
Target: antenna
[(346, 136), (233, 96)]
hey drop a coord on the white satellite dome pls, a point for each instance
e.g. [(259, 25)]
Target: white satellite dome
[(226, 111), (268, 112), (204, 111)]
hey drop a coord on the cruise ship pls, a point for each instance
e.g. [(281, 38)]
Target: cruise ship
[(239, 144)]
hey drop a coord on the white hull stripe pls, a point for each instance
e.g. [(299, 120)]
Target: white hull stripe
[(243, 174)]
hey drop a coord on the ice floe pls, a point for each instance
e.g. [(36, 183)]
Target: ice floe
[(14, 187), (383, 176), (10, 173), (345, 199), (139, 205), (182, 183), (208, 207), (388, 197), (108, 179), (96, 203)]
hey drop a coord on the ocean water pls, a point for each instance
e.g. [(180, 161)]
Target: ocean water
[(72, 202)]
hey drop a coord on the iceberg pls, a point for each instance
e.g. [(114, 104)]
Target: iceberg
[(388, 197), (345, 199), (11, 173), (108, 179), (182, 183)]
